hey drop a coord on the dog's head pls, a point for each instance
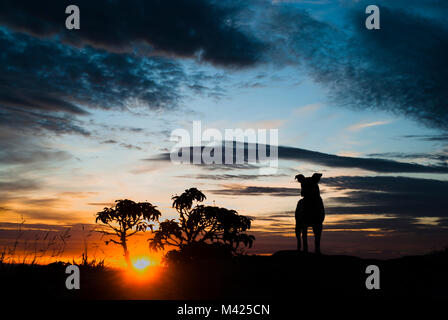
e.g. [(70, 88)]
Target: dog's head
[(309, 186)]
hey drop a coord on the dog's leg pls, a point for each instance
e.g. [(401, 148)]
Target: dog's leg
[(317, 229), (299, 241), (305, 241)]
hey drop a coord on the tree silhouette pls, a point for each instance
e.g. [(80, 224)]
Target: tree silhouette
[(199, 224), (125, 219)]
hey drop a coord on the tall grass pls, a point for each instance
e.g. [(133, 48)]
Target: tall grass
[(85, 262), (50, 245)]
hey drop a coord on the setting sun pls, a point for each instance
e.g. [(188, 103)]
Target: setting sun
[(144, 269), (141, 264)]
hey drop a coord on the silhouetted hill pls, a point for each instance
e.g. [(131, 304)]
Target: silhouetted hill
[(286, 275)]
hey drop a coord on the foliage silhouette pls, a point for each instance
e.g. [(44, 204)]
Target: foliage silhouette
[(125, 219), (199, 227), (199, 251)]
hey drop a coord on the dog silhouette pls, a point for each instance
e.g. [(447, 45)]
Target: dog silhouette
[(310, 211)]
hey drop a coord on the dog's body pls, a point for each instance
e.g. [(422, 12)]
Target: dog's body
[(310, 211)]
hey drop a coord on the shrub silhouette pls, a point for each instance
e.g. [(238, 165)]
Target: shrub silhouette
[(201, 229), (125, 219)]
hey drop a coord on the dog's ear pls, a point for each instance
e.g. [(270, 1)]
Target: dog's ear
[(300, 177), (316, 177)]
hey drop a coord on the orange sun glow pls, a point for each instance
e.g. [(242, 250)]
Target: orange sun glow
[(143, 270), (141, 263)]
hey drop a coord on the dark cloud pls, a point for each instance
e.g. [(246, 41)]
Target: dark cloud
[(320, 158), (124, 145), (383, 224), (386, 184), (389, 195), (388, 224), (17, 148), (403, 155), (238, 190), (110, 141), (231, 176), (443, 222), (19, 185), (201, 29), (47, 87), (370, 164), (30, 154), (428, 137), (60, 82), (400, 68), (13, 118), (130, 146), (438, 158)]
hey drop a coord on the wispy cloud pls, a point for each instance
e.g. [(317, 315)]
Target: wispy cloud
[(263, 124), (362, 125), (307, 110)]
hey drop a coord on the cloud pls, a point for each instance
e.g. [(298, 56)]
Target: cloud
[(370, 164), (262, 124), (110, 141), (33, 155), (363, 125), (18, 148), (400, 68), (389, 195), (200, 29), (319, 158), (19, 185), (62, 82), (428, 137), (231, 176), (102, 204), (239, 190), (124, 145), (306, 110), (405, 77), (130, 146), (285, 223), (47, 88), (440, 158)]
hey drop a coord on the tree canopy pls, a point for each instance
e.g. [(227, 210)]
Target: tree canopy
[(198, 223), (125, 219)]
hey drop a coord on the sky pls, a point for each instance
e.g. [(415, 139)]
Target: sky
[(86, 116)]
